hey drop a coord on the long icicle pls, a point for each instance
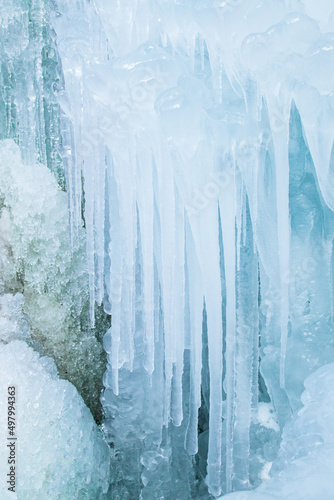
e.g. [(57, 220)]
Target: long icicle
[(279, 112), (228, 221)]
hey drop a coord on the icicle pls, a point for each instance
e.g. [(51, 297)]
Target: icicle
[(169, 253), (126, 241), (240, 206), (317, 118), (89, 181), (178, 308), (279, 113), (204, 228), (246, 354), (256, 350), (227, 206), (114, 286), (196, 294), (99, 221), (145, 209)]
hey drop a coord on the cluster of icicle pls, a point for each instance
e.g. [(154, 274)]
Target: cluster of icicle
[(29, 109), (178, 117)]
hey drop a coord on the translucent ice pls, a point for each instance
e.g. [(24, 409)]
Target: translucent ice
[(305, 463)]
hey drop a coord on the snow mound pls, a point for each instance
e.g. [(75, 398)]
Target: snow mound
[(60, 451)]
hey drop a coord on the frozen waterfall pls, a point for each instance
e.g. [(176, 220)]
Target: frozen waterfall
[(194, 139)]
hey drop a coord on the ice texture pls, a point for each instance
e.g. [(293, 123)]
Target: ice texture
[(305, 464), (196, 138), (203, 134), (14, 324), (28, 77), (37, 262), (60, 452)]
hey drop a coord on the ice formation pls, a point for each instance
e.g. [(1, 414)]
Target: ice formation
[(14, 324), (36, 260), (305, 463), (196, 139), (203, 131), (61, 453)]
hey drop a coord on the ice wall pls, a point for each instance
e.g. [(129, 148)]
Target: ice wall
[(203, 134)]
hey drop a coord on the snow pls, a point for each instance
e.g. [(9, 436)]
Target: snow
[(37, 261), (60, 451)]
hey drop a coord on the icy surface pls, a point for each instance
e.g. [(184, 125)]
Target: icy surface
[(305, 464), (37, 261), (14, 325), (60, 451), (28, 106)]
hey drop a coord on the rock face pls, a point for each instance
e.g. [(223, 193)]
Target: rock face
[(59, 452)]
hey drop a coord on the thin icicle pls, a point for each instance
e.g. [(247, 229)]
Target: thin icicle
[(89, 181), (279, 113), (171, 289), (196, 294), (256, 349), (227, 206), (206, 240), (246, 336), (145, 209), (178, 307)]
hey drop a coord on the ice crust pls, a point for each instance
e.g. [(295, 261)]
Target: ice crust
[(60, 452), (14, 324)]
